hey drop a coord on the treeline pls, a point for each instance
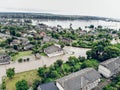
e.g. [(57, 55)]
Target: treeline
[(52, 16)]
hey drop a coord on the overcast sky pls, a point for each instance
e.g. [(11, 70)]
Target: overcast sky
[(105, 8)]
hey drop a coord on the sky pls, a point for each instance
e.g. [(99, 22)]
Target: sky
[(103, 8)]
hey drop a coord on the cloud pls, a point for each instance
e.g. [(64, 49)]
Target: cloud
[(107, 8)]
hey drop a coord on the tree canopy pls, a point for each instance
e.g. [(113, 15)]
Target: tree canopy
[(103, 51), (22, 85), (10, 73)]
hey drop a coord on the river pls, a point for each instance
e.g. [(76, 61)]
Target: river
[(79, 23)]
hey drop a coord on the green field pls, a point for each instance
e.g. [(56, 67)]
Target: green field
[(29, 76), (21, 54)]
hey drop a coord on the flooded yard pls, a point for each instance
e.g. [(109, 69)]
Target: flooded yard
[(35, 64)]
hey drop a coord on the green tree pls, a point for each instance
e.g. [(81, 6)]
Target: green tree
[(90, 63), (58, 63), (15, 47), (20, 60), (10, 73), (109, 88), (43, 72), (22, 85), (18, 34), (12, 32), (62, 46), (54, 74), (111, 52), (91, 26), (99, 50), (3, 86), (36, 83), (9, 40)]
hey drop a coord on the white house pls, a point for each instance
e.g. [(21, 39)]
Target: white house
[(85, 79), (109, 67), (53, 50)]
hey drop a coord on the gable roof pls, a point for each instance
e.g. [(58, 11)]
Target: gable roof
[(52, 49), (112, 64), (48, 86), (46, 38), (78, 80)]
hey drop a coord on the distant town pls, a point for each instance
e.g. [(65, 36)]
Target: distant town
[(43, 57)]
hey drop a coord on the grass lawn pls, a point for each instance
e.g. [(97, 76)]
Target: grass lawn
[(29, 76), (21, 54), (43, 54)]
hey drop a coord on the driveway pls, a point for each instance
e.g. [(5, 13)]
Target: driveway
[(35, 64)]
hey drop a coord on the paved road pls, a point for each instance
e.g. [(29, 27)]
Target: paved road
[(35, 64)]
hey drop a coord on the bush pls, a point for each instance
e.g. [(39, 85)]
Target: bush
[(20, 60), (10, 73), (3, 86), (28, 59), (22, 85), (24, 60)]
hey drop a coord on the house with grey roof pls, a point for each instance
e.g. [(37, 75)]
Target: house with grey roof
[(4, 58), (49, 39), (48, 86), (66, 41), (15, 42), (53, 50), (28, 47), (46, 39), (110, 67), (85, 79)]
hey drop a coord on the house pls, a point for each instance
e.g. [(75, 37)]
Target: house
[(12, 50), (24, 41), (4, 59), (7, 32), (109, 67), (48, 86), (54, 40), (46, 39), (49, 39), (53, 50), (28, 47), (85, 79), (66, 40), (32, 31), (15, 42), (42, 34)]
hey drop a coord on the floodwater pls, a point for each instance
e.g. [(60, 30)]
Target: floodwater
[(79, 23)]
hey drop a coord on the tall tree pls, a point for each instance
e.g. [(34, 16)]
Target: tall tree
[(10, 73)]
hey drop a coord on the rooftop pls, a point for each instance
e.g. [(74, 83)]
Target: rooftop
[(112, 64), (48, 86), (52, 49), (80, 79)]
